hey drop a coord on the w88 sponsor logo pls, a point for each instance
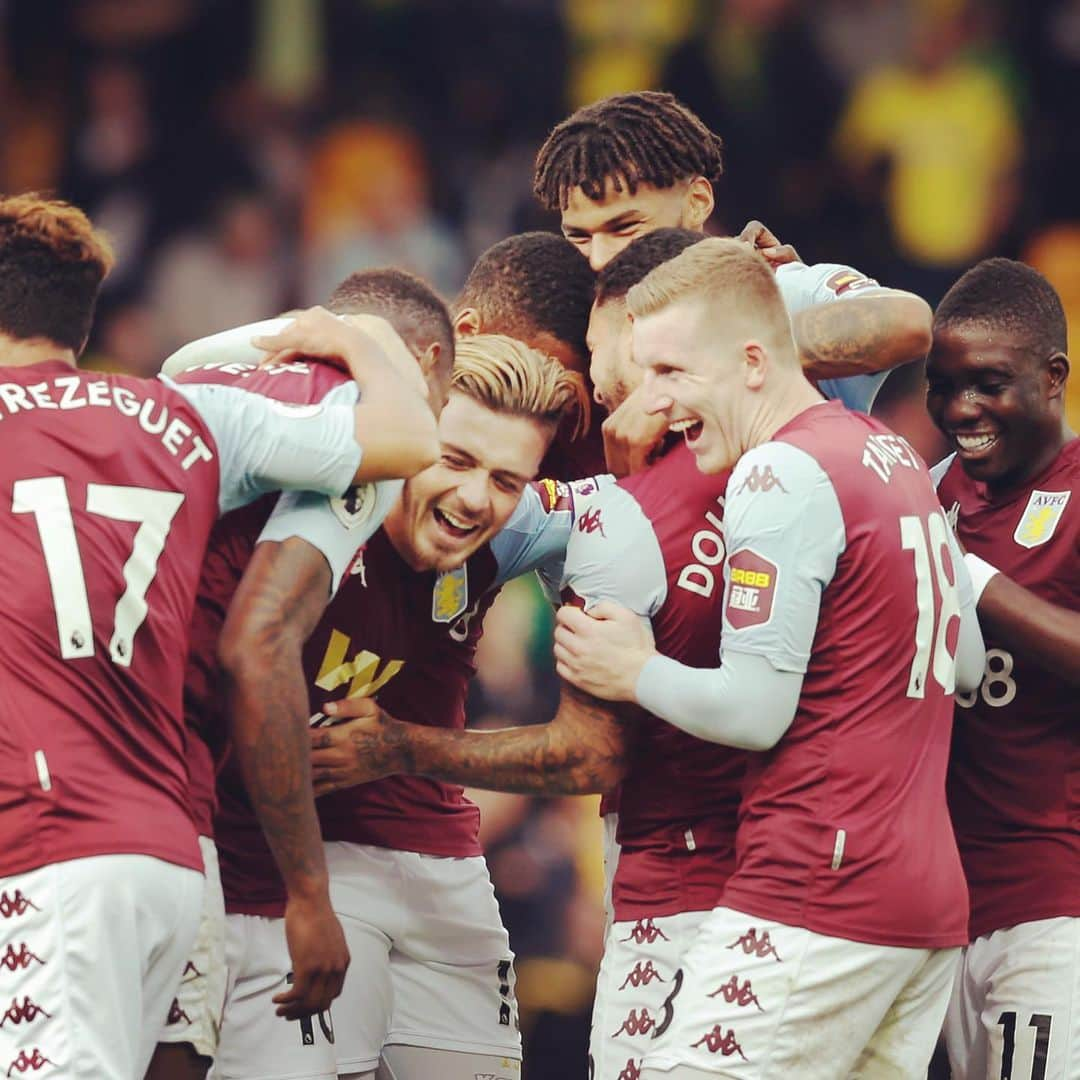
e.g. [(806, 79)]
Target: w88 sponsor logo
[(998, 688)]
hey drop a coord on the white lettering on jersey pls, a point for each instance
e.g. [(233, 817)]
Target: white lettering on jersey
[(707, 548), (882, 453), (175, 435)]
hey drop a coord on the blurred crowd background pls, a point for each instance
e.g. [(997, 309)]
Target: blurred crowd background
[(245, 155)]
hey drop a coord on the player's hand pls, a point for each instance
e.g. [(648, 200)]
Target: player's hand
[(318, 954), (760, 237), (602, 652), (364, 744), (632, 436), (365, 346)]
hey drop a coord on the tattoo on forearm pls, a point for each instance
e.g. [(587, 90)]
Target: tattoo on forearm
[(848, 337), (584, 750)]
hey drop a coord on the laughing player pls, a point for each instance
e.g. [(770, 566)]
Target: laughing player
[(997, 375), (846, 906)]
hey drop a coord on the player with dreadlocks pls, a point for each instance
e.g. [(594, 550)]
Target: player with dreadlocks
[(624, 166), (631, 163)]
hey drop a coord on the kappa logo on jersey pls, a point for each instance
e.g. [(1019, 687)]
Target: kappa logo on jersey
[(632, 1070), (719, 1041), (13, 960), (361, 673), (753, 945), (24, 1013), (25, 1062), (1040, 518), (354, 507), (753, 586), (761, 480), (590, 521), (555, 496), (450, 596), (645, 932), (735, 993), (847, 280), (191, 973), (15, 905), (642, 975), (636, 1024), (952, 515), (358, 569)]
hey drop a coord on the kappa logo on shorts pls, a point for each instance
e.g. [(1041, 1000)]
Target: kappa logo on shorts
[(636, 1024), (643, 974), (25, 1062), (13, 960), (645, 933), (15, 905), (753, 945), (24, 1013), (734, 994), (632, 1070), (177, 1015), (719, 1041)]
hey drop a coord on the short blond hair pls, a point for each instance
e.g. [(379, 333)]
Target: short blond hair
[(505, 375), (727, 273)]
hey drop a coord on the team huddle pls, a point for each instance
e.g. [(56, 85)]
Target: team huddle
[(826, 693)]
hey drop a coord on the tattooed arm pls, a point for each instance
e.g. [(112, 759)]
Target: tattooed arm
[(278, 603), (585, 749), (875, 330)]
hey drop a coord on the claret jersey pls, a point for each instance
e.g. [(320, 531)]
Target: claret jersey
[(407, 638), (1014, 774), (654, 543), (335, 525), (109, 487), (841, 566)]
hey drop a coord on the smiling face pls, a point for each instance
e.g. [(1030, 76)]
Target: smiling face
[(695, 376), (452, 508), (601, 228), (997, 404)]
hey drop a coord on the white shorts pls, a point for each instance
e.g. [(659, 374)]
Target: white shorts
[(636, 976), (761, 999), (195, 1013), (91, 951), (1015, 1009), (256, 1043), (431, 962)]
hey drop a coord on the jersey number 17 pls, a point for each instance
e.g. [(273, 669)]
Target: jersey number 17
[(46, 498)]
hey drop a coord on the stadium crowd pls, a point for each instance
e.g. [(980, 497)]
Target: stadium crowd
[(329, 154)]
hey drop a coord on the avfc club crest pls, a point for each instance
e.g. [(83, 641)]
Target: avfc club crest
[(450, 596), (1040, 517), (355, 507)]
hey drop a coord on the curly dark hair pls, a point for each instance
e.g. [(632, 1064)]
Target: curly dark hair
[(641, 257), (646, 137), (530, 283), (407, 302)]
